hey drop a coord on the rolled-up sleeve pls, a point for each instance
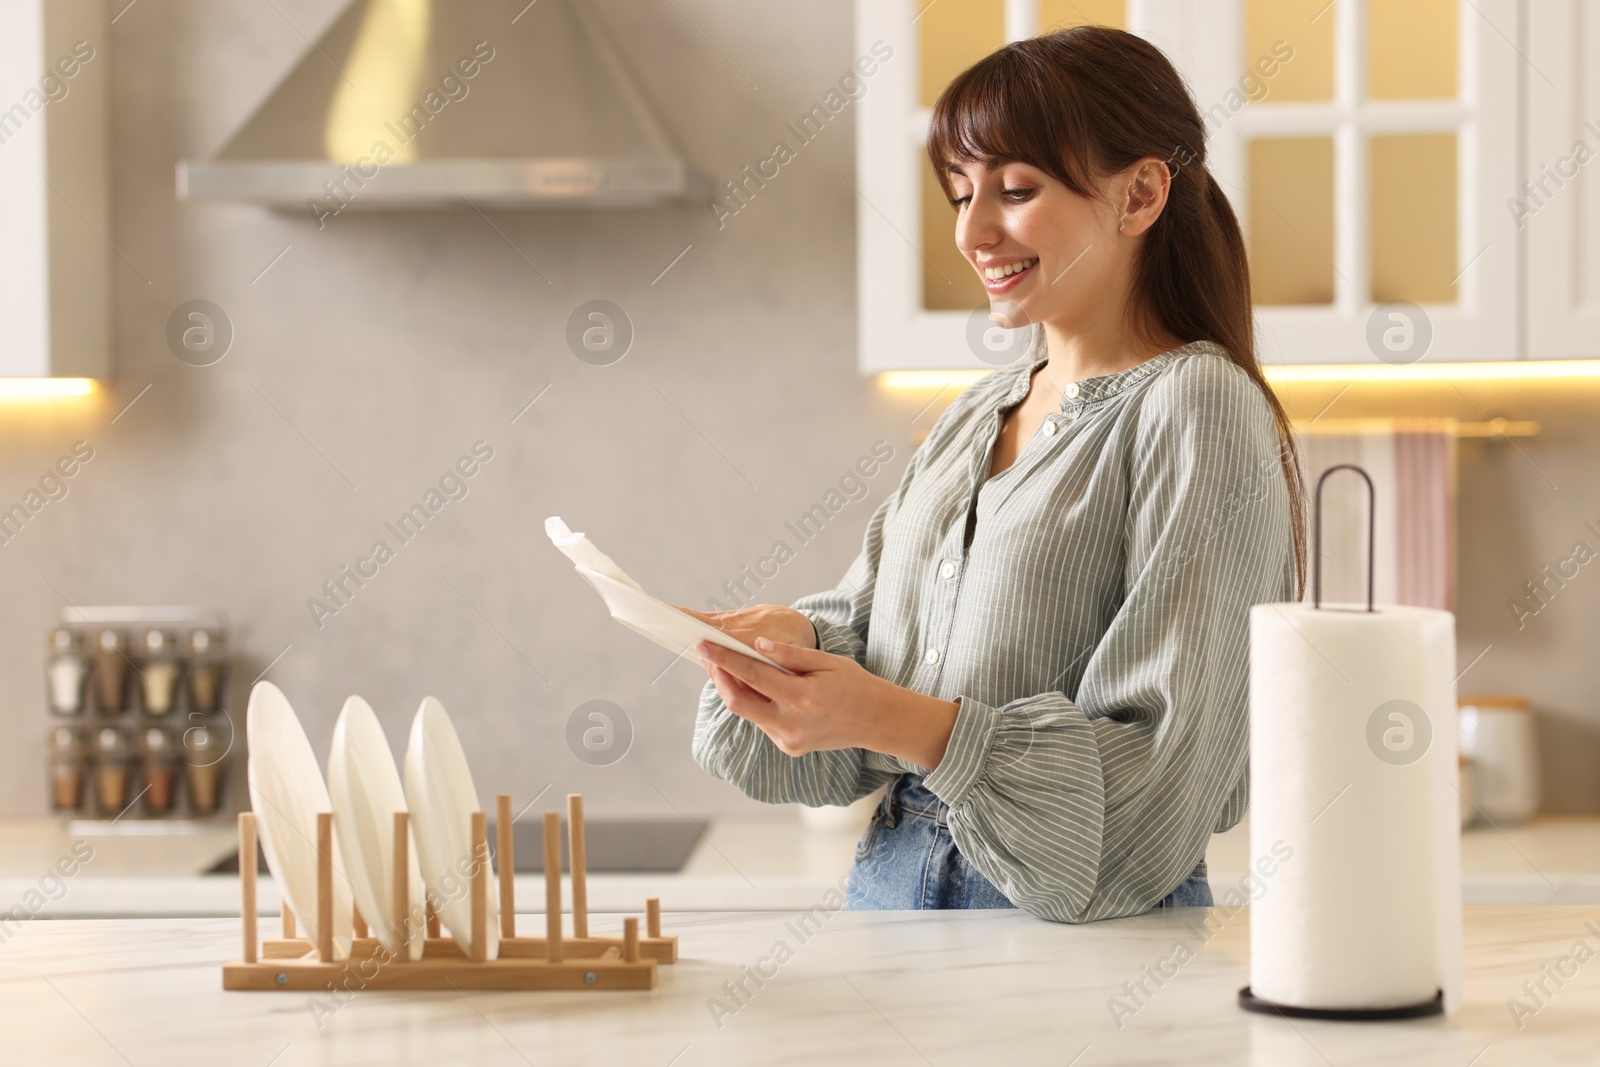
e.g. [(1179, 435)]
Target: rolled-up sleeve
[(1099, 804)]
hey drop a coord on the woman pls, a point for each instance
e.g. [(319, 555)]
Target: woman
[(1041, 648)]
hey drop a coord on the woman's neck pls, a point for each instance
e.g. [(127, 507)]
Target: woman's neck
[(1103, 348)]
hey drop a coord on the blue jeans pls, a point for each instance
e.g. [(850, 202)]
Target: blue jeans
[(906, 860)]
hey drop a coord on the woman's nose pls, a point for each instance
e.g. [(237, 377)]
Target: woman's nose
[(977, 226)]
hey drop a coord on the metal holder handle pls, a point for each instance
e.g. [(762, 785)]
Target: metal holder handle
[(1316, 543)]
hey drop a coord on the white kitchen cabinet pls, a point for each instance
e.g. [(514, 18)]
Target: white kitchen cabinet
[(1370, 172), (1558, 208), (55, 202)]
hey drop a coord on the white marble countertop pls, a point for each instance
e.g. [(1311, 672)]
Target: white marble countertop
[(745, 863), (885, 988)]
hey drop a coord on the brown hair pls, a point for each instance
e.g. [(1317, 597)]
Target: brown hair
[(1087, 102)]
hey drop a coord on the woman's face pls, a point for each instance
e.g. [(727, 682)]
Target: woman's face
[(1062, 250)]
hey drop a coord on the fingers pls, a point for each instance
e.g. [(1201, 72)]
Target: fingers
[(795, 657), (767, 681), (703, 616), (740, 699)]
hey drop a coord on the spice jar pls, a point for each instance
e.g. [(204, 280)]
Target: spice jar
[(69, 764), (160, 670), (112, 755), (207, 668), (159, 759), (110, 670), (203, 750), (66, 670)]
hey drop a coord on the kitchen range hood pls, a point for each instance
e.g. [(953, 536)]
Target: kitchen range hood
[(429, 104)]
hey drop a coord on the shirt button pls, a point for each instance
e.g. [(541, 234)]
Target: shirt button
[(1049, 428), (1072, 390), (948, 570), (931, 657)]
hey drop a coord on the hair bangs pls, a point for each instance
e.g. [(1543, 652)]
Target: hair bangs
[(1004, 110)]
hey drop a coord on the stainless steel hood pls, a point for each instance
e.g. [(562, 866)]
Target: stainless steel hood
[(408, 104)]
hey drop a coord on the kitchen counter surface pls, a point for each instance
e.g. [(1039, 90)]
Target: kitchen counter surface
[(744, 863), (887, 988)]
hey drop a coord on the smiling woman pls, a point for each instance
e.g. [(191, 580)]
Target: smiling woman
[(1041, 647)]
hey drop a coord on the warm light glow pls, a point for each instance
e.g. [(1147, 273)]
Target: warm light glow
[(1520, 370), (930, 379), (1553, 369), (44, 388), (382, 79)]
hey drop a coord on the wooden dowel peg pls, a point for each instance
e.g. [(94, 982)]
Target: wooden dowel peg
[(630, 939), (288, 915), (652, 917), (577, 861), (247, 882), (404, 929), (480, 887), (552, 886), (324, 920), (358, 925), (506, 859)]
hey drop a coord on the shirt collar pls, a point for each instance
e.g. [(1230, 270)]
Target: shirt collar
[(1089, 390)]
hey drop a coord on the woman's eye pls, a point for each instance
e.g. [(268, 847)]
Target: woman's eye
[(1016, 196)]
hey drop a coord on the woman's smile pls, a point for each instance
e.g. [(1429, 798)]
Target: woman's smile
[(1003, 277)]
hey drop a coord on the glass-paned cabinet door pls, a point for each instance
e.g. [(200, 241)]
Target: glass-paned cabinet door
[(1556, 205), (1365, 146), (1368, 149)]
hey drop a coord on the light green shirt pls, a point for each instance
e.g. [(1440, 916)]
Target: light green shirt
[(1094, 632)]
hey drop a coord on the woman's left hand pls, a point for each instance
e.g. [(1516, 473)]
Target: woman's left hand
[(829, 702)]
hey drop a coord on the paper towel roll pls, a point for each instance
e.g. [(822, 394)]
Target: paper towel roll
[(1352, 773)]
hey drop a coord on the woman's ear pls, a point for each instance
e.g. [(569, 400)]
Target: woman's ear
[(1144, 186)]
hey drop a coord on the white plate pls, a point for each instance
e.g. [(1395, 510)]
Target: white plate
[(366, 793), (672, 629), (442, 799), (286, 793)]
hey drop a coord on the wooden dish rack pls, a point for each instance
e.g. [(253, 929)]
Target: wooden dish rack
[(554, 961)]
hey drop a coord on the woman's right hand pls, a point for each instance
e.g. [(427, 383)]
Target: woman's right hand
[(760, 620)]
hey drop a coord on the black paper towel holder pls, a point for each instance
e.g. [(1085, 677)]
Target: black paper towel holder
[(1250, 1002), (1316, 535), (1247, 998)]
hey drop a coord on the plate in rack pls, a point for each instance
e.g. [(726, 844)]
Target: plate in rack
[(442, 799), (366, 793), (286, 794)]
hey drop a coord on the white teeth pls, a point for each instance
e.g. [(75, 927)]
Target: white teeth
[(994, 274)]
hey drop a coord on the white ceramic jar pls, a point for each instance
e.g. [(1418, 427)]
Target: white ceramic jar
[(1498, 737)]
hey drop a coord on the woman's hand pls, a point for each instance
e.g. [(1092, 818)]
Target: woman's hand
[(760, 620), (829, 702)]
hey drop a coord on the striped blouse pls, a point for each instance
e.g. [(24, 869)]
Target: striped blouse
[(1091, 625)]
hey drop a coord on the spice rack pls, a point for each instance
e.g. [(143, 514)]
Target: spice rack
[(139, 732), (555, 961)]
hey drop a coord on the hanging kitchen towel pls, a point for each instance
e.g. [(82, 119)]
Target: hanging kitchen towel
[(1412, 463), (1353, 800), (629, 604)]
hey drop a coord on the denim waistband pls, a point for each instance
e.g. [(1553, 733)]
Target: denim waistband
[(907, 796)]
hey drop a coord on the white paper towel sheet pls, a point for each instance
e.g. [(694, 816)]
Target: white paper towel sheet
[(1366, 911), (640, 612), (581, 551)]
